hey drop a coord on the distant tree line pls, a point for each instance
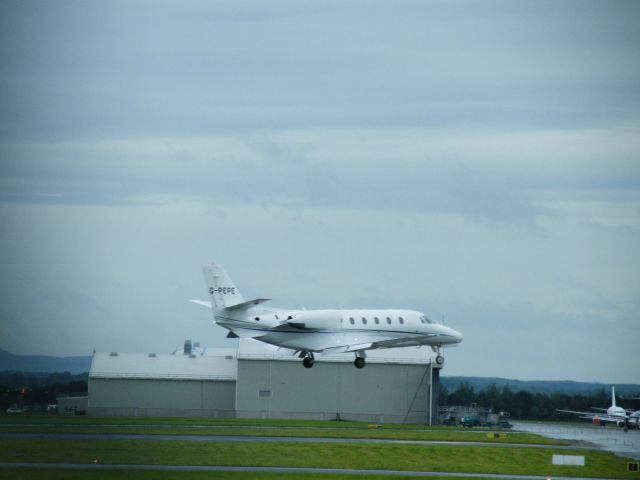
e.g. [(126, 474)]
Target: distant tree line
[(524, 405), (18, 388)]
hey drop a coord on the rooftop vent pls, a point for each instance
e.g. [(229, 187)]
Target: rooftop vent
[(187, 347), (152, 355), (228, 357), (113, 354), (192, 356)]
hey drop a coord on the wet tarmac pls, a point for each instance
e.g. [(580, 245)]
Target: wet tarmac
[(609, 438)]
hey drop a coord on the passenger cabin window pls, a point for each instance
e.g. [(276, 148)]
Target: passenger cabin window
[(377, 320), (389, 320), (364, 320), (352, 321), (401, 320)]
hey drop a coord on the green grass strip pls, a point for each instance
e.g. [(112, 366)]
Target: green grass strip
[(439, 458)]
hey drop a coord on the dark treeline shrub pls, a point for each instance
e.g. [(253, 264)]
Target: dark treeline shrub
[(524, 405)]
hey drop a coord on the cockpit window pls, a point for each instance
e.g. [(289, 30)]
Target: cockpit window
[(425, 319)]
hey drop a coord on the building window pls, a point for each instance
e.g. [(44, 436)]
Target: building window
[(364, 320), (264, 393)]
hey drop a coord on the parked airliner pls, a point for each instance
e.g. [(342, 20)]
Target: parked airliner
[(614, 414), (309, 332)]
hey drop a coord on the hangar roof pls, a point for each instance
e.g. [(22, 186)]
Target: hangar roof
[(213, 364), (255, 350)]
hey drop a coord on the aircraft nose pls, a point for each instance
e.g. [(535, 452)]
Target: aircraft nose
[(456, 335)]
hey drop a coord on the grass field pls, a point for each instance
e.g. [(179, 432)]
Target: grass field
[(444, 458), (280, 428), (438, 458)]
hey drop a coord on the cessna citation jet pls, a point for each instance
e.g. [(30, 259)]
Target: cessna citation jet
[(618, 415), (310, 332)]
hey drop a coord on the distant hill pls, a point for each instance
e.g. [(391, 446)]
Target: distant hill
[(539, 386), (41, 363)]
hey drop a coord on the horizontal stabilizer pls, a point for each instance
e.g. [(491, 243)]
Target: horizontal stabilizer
[(249, 304), (232, 335), (204, 303)]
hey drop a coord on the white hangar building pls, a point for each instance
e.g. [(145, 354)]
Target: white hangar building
[(397, 385)]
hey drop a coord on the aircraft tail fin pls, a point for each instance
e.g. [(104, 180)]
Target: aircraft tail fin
[(222, 291), (613, 396)]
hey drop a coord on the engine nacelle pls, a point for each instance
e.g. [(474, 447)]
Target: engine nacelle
[(316, 319)]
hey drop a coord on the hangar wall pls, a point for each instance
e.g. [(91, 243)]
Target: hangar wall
[(380, 392), (193, 382), (160, 398), (396, 386)]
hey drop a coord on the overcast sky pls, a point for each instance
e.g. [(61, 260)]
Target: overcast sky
[(478, 161)]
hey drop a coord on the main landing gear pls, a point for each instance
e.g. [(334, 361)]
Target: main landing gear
[(359, 361), (308, 359)]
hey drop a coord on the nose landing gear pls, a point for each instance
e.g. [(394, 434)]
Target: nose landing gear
[(439, 357)]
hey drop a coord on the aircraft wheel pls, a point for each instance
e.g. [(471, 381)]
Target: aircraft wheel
[(359, 362), (307, 362), (439, 359)]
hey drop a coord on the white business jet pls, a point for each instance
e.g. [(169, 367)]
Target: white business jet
[(309, 332)]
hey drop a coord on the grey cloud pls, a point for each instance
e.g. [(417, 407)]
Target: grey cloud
[(488, 177), (327, 153), (77, 70)]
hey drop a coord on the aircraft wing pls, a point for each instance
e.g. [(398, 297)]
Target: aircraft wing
[(352, 341), (578, 413), (401, 342), (593, 415)]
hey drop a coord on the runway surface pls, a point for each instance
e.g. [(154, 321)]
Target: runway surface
[(261, 439), (301, 471), (614, 440)]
